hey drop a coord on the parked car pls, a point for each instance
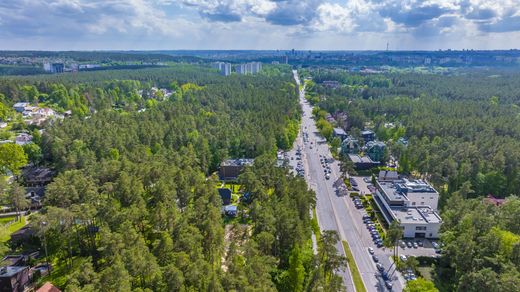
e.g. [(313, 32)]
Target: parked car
[(403, 258), (388, 285), (327, 176), (409, 244), (375, 258), (402, 244), (370, 250), (380, 267), (415, 245), (420, 243), (435, 245)]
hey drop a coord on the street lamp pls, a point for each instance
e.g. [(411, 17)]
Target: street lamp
[(44, 224)]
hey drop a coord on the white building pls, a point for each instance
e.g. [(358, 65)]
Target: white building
[(413, 203), (249, 68), (224, 68)]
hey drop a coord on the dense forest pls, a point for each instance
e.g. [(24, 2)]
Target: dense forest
[(464, 135), (135, 204)]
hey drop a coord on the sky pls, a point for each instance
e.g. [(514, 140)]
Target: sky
[(259, 24)]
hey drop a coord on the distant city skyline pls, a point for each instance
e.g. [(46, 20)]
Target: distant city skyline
[(259, 24)]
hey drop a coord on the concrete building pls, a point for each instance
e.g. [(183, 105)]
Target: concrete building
[(224, 68), (413, 203), (230, 169), (249, 68)]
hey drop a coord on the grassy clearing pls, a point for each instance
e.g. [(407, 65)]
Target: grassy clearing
[(5, 220), (13, 228), (356, 276)]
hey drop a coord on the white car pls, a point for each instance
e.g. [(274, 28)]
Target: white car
[(370, 250)]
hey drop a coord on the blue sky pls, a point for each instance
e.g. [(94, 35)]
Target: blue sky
[(259, 24)]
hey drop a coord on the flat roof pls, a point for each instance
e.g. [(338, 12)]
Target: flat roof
[(237, 162), (398, 190), (415, 215)]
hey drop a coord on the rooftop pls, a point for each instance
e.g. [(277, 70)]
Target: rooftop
[(237, 162), (360, 159), (38, 173), (340, 132), (367, 132), (398, 190), (416, 215), (9, 271)]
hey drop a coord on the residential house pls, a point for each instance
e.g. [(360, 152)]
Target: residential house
[(340, 133), (23, 139), (37, 176), (20, 106), (23, 234), (48, 287), (225, 195), (349, 146), (14, 278), (231, 210), (375, 150), (230, 169), (368, 135), (362, 162)]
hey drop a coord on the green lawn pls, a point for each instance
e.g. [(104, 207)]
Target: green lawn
[(5, 220), (356, 276), (13, 228)]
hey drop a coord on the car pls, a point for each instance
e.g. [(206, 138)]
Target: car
[(415, 245), (366, 216), (435, 245), (379, 243), (292, 158), (367, 179), (409, 244), (380, 267), (310, 147), (385, 275), (355, 189), (420, 243), (327, 176), (370, 250), (403, 258), (402, 244), (375, 258), (388, 285)]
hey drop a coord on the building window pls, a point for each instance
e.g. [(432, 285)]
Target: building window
[(413, 203), (420, 227), (431, 198)]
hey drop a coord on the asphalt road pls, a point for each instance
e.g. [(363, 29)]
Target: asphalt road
[(334, 212)]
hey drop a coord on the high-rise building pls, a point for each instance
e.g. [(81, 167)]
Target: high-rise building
[(224, 68), (240, 69)]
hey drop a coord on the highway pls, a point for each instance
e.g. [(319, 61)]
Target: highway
[(335, 212)]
